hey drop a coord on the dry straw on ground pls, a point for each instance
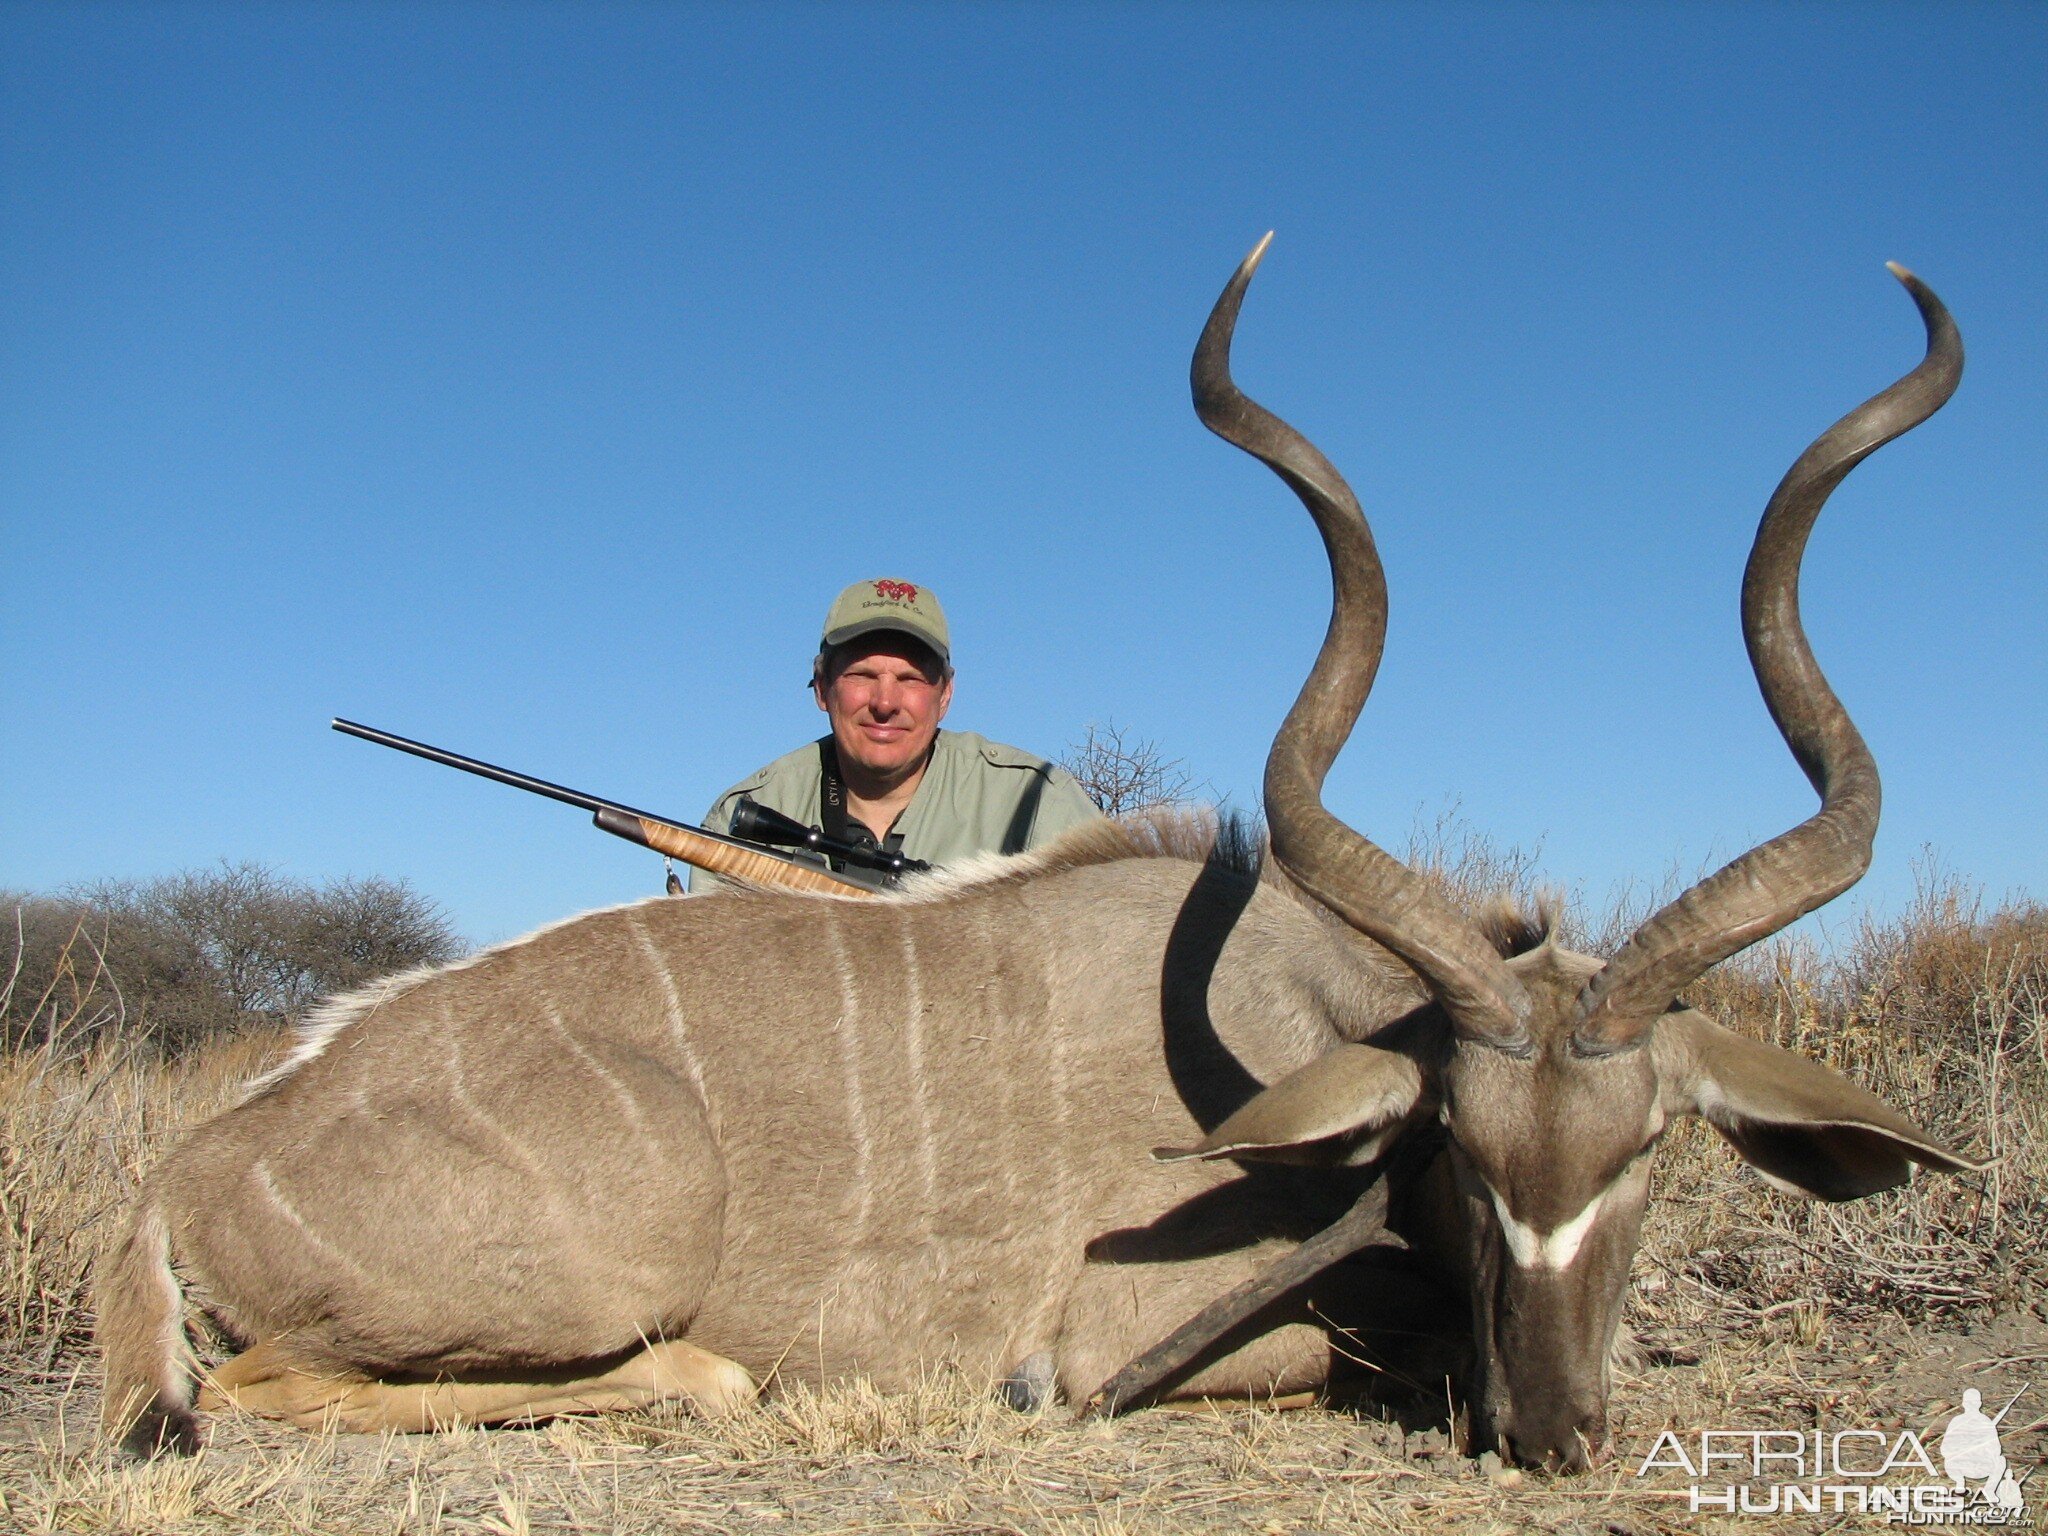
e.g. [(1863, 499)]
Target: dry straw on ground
[(1750, 1308)]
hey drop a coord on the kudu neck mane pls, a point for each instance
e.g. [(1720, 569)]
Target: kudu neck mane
[(1226, 843)]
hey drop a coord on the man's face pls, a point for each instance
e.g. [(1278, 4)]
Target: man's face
[(886, 695)]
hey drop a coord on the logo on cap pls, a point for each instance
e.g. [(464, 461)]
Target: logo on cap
[(896, 591)]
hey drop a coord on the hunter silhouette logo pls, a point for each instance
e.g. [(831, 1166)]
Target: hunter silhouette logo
[(1970, 1453), (1853, 1471), (896, 591)]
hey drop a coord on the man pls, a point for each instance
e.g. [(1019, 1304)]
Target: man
[(886, 776)]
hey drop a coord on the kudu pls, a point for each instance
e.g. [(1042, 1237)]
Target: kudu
[(670, 1147)]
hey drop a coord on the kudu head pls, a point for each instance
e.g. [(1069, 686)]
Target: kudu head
[(1553, 1075)]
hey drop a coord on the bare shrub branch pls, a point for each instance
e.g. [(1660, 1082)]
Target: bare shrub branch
[(1124, 776)]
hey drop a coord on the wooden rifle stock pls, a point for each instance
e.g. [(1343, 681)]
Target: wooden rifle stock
[(718, 856), (714, 852)]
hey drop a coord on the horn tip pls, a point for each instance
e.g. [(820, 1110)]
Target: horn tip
[(1902, 273), (1251, 262)]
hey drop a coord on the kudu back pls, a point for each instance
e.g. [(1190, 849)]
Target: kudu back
[(824, 1136)]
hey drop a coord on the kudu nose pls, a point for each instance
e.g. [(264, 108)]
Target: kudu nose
[(1572, 1444)]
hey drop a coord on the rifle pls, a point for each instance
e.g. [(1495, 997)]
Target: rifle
[(747, 858)]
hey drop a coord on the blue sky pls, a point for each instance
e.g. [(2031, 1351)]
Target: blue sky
[(528, 378)]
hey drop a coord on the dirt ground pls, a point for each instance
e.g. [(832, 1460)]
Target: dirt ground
[(947, 1461)]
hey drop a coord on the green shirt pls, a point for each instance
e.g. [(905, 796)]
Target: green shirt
[(976, 796)]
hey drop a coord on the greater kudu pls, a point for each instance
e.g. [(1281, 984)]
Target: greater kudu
[(658, 1148)]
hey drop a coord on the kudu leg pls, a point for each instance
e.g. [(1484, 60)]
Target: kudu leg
[(1154, 1371), (272, 1383)]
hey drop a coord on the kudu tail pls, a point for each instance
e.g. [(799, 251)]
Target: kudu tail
[(141, 1334)]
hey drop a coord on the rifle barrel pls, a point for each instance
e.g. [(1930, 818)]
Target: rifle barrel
[(485, 770), (717, 852)]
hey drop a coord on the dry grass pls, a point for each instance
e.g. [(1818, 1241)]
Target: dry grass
[(1752, 1308), (1941, 1012)]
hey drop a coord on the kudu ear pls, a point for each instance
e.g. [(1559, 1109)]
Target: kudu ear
[(1804, 1127), (1342, 1108)]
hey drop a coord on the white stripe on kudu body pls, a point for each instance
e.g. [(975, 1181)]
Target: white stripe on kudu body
[(320, 1245), (846, 1030), (913, 1050), (349, 1009), (673, 1007), (628, 1105)]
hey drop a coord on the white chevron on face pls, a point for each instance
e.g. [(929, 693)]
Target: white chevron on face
[(1554, 1249)]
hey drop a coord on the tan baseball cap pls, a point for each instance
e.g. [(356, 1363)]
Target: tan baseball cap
[(886, 603)]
